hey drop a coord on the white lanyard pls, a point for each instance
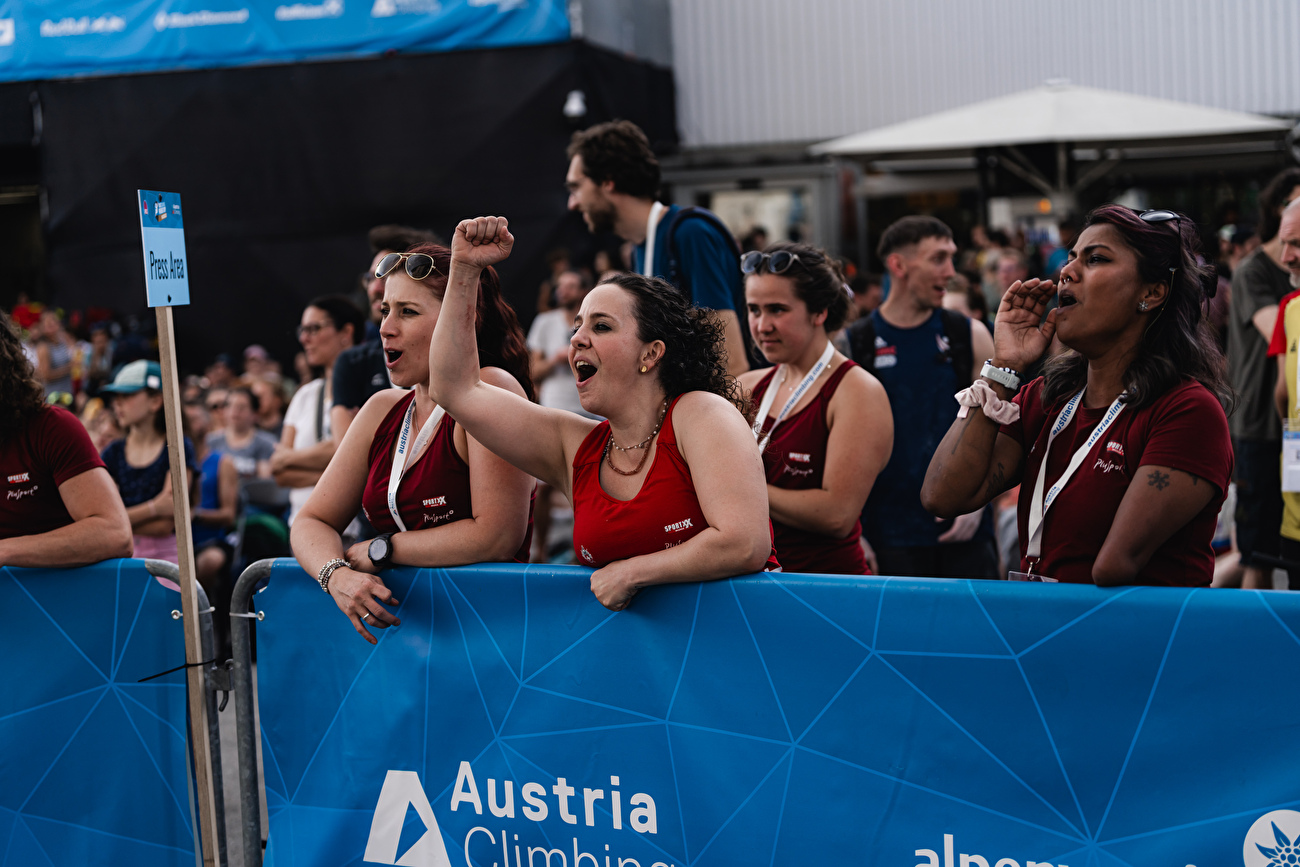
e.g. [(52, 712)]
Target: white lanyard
[(651, 226), (1040, 503), (401, 453), (775, 384)]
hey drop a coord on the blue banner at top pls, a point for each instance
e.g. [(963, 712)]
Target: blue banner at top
[(42, 39)]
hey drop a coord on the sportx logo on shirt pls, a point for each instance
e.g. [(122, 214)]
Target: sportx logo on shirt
[(435, 501), (20, 478), (679, 526)]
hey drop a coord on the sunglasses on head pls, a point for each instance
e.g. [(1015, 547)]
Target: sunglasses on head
[(418, 265), (1162, 216), (777, 263)]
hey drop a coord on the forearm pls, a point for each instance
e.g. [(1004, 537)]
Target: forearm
[(816, 510), (219, 517), (471, 540), (314, 543), (956, 481), (707, 556), (77, 544), (453, 356), (295, 478), (316, 457), (150, 510)]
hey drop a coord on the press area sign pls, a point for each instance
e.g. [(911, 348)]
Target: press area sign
[(162, 229)]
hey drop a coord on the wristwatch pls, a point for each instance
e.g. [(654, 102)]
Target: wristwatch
[(381, 550), (1003, 376)]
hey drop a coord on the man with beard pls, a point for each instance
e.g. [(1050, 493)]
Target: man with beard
[(1286, 334), (613, 181)]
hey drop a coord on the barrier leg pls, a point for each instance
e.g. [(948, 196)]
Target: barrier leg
[(215, 679), (245, 720)]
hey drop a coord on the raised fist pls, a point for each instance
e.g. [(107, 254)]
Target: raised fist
[(482, 241)]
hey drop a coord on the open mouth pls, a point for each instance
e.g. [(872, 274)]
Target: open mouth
[(584, 370), (1065, 298), (392, 355)]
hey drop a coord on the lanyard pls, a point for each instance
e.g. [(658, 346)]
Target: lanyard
[(651, 226), (1040, 502), (401, 453), (775, 384)]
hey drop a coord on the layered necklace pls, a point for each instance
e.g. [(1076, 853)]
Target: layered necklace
[(644, 445)]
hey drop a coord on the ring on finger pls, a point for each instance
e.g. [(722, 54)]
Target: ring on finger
[(364, 615)]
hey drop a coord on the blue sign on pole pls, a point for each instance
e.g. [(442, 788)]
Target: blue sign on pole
[(783, 719), (162, 228)]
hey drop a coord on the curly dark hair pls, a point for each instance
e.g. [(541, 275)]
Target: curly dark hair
[(618, 151), (21, 393), (500, 337), (817, 281), (695, 354), (1179, 342)]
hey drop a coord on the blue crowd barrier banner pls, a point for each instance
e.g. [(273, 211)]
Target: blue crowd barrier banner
[(92, 763), (60, 38), (780, 720)]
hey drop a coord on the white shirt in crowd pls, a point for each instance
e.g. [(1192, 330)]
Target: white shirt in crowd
[(301, 416)]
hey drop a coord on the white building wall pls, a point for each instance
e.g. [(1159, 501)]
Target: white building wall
[(753, 72)]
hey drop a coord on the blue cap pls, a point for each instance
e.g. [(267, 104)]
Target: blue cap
[(135, 376)]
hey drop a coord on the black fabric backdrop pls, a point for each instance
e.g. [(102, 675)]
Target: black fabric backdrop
[(283, 169)]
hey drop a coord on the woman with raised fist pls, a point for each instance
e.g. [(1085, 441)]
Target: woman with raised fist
[(670, 487)]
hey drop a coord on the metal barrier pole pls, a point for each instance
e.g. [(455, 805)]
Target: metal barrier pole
[(245, 720), (216, 679)]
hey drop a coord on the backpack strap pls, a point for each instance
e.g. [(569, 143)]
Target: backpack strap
[(956, 328), (862, 343), (682, 280)]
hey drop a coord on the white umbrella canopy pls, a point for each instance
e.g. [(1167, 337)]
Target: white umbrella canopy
[(1052, 113)]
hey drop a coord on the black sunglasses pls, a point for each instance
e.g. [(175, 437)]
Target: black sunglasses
[(418, 265), (777, 263)]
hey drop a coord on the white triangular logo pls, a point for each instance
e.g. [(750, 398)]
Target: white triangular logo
[(402, 789)]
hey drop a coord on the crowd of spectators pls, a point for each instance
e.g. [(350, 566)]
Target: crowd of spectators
[(258, 439)]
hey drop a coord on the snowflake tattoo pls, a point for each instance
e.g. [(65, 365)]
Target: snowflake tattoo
[(1158, 480)]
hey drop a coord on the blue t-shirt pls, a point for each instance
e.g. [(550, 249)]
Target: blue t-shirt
[(703, 255), (209, 498), (915, 366), (138, 484)]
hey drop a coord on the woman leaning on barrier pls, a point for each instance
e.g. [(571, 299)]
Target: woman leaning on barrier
[(824, 425), (669, 488), (434, 493), (1121, 449), (60, 508)]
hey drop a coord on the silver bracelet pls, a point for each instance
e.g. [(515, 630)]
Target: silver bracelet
[(323, 577)]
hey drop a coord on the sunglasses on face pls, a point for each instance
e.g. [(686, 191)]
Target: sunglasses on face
[(777, 263), (418, 265)]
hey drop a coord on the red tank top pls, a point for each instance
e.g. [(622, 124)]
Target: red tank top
[(663, 514), (435, 490), (795, 459)]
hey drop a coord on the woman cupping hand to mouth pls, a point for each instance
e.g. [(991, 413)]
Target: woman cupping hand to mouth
[(435, 494), (670, 488), (1121, 449)]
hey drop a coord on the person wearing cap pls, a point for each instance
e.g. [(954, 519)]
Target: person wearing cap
[(139, 463), (59, 507)]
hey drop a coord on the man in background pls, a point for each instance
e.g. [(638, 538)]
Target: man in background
[(613, 181)]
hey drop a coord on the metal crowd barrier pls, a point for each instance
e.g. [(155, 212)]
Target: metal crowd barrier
[(241, 680)]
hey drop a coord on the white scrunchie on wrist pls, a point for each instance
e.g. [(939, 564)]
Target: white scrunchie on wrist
[(981, 394)]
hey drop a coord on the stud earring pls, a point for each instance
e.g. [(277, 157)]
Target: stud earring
[(644, 368), (1142, 305)]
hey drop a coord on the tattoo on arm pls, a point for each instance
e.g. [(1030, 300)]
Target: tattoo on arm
[(997, 481), (1157, 480)]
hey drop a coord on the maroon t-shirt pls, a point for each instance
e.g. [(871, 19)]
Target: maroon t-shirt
[(435, 489), (53, 448), (795, 459), (1185, 429)]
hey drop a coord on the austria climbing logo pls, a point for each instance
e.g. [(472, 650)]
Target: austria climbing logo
[(1273, 841)]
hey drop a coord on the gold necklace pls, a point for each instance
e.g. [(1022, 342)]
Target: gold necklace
[(644, 444)]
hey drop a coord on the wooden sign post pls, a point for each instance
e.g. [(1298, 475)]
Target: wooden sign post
[(167, 281)]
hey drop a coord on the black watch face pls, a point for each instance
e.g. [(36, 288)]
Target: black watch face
[(378, 550)]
